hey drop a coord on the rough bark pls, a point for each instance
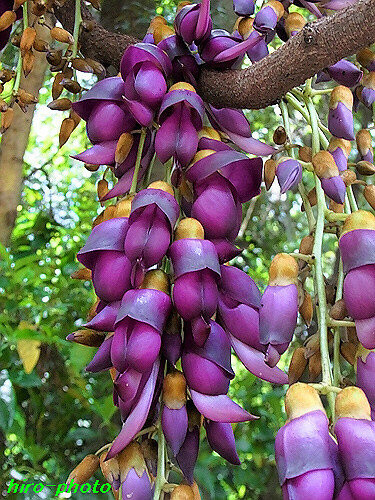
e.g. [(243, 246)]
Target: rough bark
[(13, 146), (317, 46)]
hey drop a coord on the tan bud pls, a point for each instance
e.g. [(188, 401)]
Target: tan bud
[(269, 172), (365, 168), (163, 186), (189, 228), (351, 402), (341, 94), (110, 468), (338, 310), (26, 97), (27, 40), (245, 27), (324, 165), (102, 188), (84, 470), (364, 140), (338, 208), (88, 337), (348, 176), (307, 244), (124, 145), (54, 57), (369, 194), (91, 168), (71, 85), (343, 144), (283, 270), (315, 367), (301, 399), (131, 458), (182, 86), (277, 7), (3, 106), (203, 153), (294, 22), (156, 279), (61, 35), (7, 19), (306, 309), (348, 352), (297, 365), (123, 207), (279, 136), (41, 45), (6, 119), (28, 61), (82, 65), (305, 153), (361, 219), (81, 274), (67, 127), (60, 104), (174, 390), (182, 492)]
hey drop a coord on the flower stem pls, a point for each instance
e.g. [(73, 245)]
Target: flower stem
[(160, 478), (77, 24), (133, 187)]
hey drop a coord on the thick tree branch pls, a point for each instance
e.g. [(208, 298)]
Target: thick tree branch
[(317, 46)]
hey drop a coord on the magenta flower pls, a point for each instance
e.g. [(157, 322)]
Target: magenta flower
[(174, 417), (266, 18), (243, 7), (365, 375), (340, 150), (288, 173), (184, 65), (193, 22), (345, 73), (340, 118)]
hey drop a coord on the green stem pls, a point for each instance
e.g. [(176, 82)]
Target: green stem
[(336, 339), (160, 478), (77, 24), (133, 187), (149, 172), (352, 201)]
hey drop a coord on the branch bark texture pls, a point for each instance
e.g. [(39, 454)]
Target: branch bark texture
[(318, 45)]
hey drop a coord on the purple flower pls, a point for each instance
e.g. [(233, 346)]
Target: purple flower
[(326, 169), (243, 7), (188, 454), (221, 439), (180, 118), (267, 17), (288, 173), (340, 118), (364, 145), (345, 73), (366, 374), (340, 150), (174, 417), (368, 90), (193, 22), (184, 65)]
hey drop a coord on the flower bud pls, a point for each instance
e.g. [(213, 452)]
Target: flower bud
[(67, 127), (6, 119), (134, 477), (326, 169), (84, 470), (306, 309), (163, 186), (189, 228), (365, 168), (294, 23), (351, 402), (110, 470), (340, 118), (91, 168), (61, 35), (288, 173), (300, 399), (283, 270), (182, 492), (102, 188), (156, 279), (340, 150), (269, 172), (361, 219), (7, 19), (279, 136), (297, 365), (28, 61), (27, 40), (369, 194), (366, 58), (174, 390), (81, 65), (87, 337), (60, 104), (315, 366), (306, 245), (40, 45), (305, 153), (123, 207), (364, 145)]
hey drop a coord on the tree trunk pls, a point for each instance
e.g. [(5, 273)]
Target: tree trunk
[(13, 146)]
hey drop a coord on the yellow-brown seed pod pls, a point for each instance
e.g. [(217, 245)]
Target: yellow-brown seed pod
[(182, 492), (27, 40), (189, 228), (365, 168), (348, 352), (163, 186), (209, 133), (351, 402), (123, 207), (338, 310), (7, 19), (369, 194), (28, 61), (174, 390), (324, 165), (110, 468), (269, 172), (40, 45), (62, 35), (131, 457), (63, 104), (348, 176), (279, 136), (87, 337), (182, 86), (67, 127), (343, 144), (306, 309), (361, 219), (297, 365), (84, 470), (341, 94), (6, 119), (364, 140), (283, 270), (294, 23), (305, 153), (82, 274), (156, 279), (300, 399)]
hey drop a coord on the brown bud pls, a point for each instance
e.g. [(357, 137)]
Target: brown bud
[(67, 127), (306, 245), (311, 196), (364, 141), (163, 186), (124, 145), (269, 172), (3, 106), (369, 194), (305, 153), (365, 168), (6, 119), (283, 270), (16, 40), (338, 310), (294, 23), (123, 207), (306, 309), (156, 279), (361, 219), (74, 116), (297, 365), (110, 468), (28, 61), (38, 8), (57, 88), (338, 208), (54, 57), (6, 75), (95, 4), (301, 399), (348, 352), (81, 274), (82, 65), (60, 104), (98, 68), (315, 366), (279, 136), (62, 35), (17, 4), (84, 470), (149, 449), (102, 188), (87, 337), (189, 228), (182, 492), (324, 165), (90, 167), (7, 19), (26, 97), (330, 294), (131, 458), (40, 45), (341, 94), (351, 402), (174, 390), (71, 85), (312, 345), (27, 40)]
